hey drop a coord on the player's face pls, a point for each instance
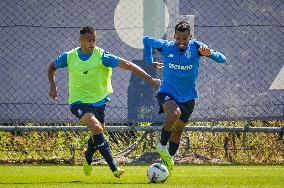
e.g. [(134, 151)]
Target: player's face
[(88, 41), (182, 39)]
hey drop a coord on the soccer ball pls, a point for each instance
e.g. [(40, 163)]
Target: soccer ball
[(157, 173)]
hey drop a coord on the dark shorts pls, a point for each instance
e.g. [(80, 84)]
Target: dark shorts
[(185, 107), (80, 109)]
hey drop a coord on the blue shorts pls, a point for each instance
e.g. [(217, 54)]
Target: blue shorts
[(80, 109), (186, 108)]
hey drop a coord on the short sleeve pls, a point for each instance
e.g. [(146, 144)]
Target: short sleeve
[(110, 60), (61, 61)]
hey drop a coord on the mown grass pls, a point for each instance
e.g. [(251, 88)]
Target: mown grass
[(183, 176)]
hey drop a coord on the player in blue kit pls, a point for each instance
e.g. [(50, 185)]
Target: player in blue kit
[(177, 93)]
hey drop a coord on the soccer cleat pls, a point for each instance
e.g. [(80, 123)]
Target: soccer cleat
[(166, 157), (119, 172), (87, 168)]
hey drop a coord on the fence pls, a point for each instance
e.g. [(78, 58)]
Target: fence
[(223, 144), (249, 33)]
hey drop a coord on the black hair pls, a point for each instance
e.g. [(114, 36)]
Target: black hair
[(182, 27), (87, 29)]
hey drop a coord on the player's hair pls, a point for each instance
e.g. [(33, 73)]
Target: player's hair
[(182, 26), (87, 29)]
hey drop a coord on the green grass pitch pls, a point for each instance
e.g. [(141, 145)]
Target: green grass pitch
[(183, 176)]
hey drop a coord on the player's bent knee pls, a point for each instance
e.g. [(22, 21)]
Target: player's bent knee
[(92, 123), (177, 112), (174, 115), (86, 118), (97, 129)]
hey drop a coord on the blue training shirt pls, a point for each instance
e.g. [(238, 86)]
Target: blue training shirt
[(180, 66), (108, 60)]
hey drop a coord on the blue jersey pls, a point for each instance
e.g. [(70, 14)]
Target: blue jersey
[(108, 60), (180, 66)]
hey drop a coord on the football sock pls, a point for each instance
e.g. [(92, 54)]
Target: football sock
[(173, 147), (165, 135), (90, 151), (103, 147)]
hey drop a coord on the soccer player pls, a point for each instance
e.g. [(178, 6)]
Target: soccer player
[(90, 69), (177, 93)]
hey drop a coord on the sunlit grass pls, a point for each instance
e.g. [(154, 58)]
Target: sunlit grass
[(183, 176)]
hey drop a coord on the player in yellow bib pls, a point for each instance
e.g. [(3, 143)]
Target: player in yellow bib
[(90, 69)]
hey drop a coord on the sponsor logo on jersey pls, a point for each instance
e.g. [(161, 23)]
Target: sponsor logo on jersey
[(180, 67)]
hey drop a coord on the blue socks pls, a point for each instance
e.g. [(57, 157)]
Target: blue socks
[(90, 151), (102, 145), (173, 147), (165, 136)]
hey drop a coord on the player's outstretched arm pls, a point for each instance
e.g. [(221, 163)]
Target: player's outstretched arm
[(51, 78), (204, 50), (214, 55), (150, 43), (127, 65)]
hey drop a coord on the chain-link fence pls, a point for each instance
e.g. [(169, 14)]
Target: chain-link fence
[(249, 33), (132, 147)]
